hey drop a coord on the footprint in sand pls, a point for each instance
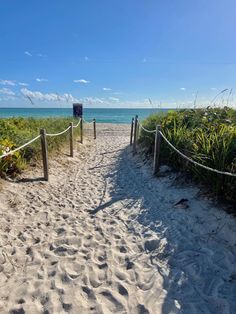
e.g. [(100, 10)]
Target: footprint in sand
[(111, 302), (123, 291), (89, 293), (63, 251)]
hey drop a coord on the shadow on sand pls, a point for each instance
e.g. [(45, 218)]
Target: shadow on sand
[(28, 180), (194, 271)]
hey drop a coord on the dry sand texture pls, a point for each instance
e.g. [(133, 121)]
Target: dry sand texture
[(103, 236)]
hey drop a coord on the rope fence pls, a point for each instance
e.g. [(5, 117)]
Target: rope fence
[(58, 134), (195, 162), (43, 136), (19, 148), (88, 122), (158, 135), (146, 130), (76, 126)]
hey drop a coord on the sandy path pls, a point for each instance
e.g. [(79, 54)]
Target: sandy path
[(103, 237)]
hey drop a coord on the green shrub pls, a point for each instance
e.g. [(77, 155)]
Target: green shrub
[(10, 165), (207, 135), (15, 132)]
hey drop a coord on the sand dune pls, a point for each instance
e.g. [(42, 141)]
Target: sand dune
[(104, 236)]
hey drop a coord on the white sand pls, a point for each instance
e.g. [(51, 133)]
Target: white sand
[(103, 236)]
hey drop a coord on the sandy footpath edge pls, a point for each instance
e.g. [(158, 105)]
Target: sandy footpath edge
[(104, 236)]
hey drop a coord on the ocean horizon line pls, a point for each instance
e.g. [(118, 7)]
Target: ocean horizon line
[(104, 115), (92, 108)]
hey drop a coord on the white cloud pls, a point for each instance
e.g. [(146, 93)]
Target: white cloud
[(41, 80), (91, 100), (27, 53), (40, 55), (182, 88), (7, 98), (114, 99), (23, 84), (107, 89), (39, 96), (7, 82), (81, 81), (7, 91), (213, 88), (68, 98)]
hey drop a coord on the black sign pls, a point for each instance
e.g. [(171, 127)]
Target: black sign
[(78, 110)]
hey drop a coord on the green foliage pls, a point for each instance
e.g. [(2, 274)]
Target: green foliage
[(207, 136), (15, 132), (9, 165)]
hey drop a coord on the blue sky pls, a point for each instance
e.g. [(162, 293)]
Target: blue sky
[(111, 53)]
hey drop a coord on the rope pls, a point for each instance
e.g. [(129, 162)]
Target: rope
[(186, 157), (57, 134), (146, 130), (76, 126), (19, 148), (87, 121), (35, 139), (195, 162)]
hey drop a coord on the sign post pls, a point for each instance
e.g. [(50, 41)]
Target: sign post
[(78, 114), (78, 111)]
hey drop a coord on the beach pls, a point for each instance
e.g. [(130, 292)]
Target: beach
[(106, 236)]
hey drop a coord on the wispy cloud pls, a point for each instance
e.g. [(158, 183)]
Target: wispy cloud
[(7, 98), (23, 84), (39, 96), (41, 80), (182, 88), (107, 89), (7, 91), (114, 99), (40, 55), (213, 88), (92, 100), (81, 81), (7, 82), (27, 53)]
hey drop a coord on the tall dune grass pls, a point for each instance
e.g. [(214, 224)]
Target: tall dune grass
[(207, 136), (14, 132)]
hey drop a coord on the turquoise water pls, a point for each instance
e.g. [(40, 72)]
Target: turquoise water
[(100, 114)]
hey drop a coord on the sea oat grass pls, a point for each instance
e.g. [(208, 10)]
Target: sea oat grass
[(207, 136)]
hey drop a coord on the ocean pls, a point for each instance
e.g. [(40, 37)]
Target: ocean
[(102, 115)]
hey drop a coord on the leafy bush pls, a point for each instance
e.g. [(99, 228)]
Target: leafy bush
[(15, 132), (208, 136), (10, 164)]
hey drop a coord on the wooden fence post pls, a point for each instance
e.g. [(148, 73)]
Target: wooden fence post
[(135, 135), (157, 150), (71, 140), (81, 131), (44, 153), (132, 131), (94, 129), (137, 131)]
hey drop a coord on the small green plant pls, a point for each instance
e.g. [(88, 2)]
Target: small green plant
[(11, 164)]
